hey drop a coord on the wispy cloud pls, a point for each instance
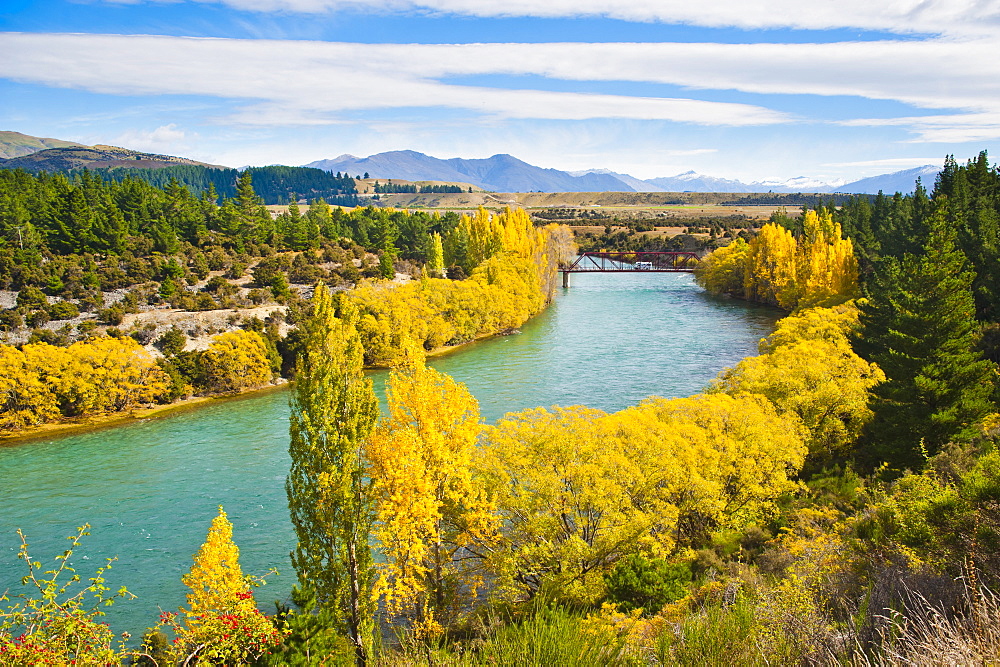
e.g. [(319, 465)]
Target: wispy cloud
[(165, 138), (900, 16), (315, 83), (950, 128), (896, 162), (311, 83)]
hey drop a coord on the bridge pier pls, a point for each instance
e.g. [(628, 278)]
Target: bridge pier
[(565, 279)]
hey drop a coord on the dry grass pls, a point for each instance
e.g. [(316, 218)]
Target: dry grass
[(923, 633)]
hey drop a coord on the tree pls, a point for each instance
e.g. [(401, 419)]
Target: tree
[(435, 258), (215, 577), (429, 505), (236, 360), (918, 324), (578, 489), (809, 370), (333, 412), (54, 625), (24, 399), (222, 624)]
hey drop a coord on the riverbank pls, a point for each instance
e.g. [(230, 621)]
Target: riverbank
[(110, 420)]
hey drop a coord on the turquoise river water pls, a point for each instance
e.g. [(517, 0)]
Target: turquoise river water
[(150, 489)]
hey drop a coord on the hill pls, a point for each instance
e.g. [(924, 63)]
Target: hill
[(15, 144), (95, 157)]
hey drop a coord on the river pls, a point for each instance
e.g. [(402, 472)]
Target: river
[(150, 489)]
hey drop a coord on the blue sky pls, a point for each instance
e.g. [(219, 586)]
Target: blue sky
[(730, 88)]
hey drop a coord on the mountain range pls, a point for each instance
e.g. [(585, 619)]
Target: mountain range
[(499, 173), (505, 173)]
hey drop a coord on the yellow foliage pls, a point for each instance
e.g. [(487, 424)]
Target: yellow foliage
[(817, 269), (42, 381), (236, 360), (737, 452), (221, 624), (25, 400), (216, 576), (807, 368), (428, 504), (832, 325), (577, 488), (721, 272), (513, 279)]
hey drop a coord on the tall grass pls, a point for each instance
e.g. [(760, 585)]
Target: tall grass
[(927, 634), (549, 635)]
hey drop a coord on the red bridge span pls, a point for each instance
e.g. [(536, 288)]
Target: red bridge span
[(630, 262)]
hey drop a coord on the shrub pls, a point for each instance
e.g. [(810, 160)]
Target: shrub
[(636, 583), (63, 310), (172, 342)]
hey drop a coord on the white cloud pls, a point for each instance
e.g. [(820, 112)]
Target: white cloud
[(315, 83), (950, 128), (898, 16), (165, 139), (310, 82), (896, 162)]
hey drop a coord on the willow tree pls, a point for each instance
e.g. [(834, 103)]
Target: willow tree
[(333, 412)]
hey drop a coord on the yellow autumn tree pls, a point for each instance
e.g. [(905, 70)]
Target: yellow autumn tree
[(429, 506), (578, 489), (25, 400), (741, 448), (771, 259), (816, 269), (827, 271), (216, 576), (502, 292), (807, 368), (98, 375), (722, 271), (221, 623), (235, 361)]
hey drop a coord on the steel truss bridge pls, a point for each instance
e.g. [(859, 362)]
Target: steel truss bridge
[(630, 262)]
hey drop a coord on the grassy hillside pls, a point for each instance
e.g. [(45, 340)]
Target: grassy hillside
[(15, 144)]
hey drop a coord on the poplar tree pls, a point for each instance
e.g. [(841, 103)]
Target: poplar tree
[(333, 412), (918, 324)]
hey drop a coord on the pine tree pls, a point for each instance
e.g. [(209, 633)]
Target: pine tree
[(918, 324), (333, 412)]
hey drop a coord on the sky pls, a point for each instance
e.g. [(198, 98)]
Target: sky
[(744, 89)]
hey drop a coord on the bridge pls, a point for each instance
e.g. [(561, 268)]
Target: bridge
[(630, 262)]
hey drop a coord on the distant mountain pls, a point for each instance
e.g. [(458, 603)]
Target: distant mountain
[(636, 184), (899, 181), (15, 144), (94, 157), (500, 173), (504, 173), (690, 181)]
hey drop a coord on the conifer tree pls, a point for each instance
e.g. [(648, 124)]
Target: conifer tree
[(918, 324), (333, 412)]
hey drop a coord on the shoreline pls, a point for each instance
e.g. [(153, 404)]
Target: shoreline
[(112, 420)]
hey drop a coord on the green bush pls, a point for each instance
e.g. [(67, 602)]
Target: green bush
[(638, 583), (63, 310)]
